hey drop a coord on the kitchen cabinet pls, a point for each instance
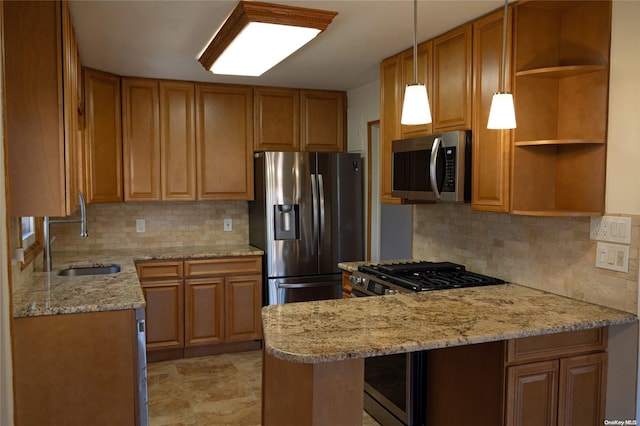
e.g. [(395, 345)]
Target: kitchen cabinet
[(76, 369), (202, 306), (554, 379), (141, 139), (177, 141), (299, 120), (491, 157), (557, 379), (452, 80), (162, 285), (103, 138), (424, 76), (322, 121), (390, 113), (42, 128), (277, 119), (561, 66), (224, 136), (346, 285)]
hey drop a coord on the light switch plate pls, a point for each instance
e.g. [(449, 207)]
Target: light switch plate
[(613, 229), (612, 256), (140, 225), (228, 225)]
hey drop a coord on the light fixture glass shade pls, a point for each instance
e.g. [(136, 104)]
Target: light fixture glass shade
[(502, 114), (260, 46), (415, 108)]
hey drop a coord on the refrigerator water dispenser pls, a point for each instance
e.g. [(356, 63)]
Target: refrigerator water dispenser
[(287, 223)]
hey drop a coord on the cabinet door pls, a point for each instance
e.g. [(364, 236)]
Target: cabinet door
[(224, 135), (204, 311), (532, 394), (177, 141), (424, 54), (322, 120), (33, 96), (491, 148), (452, 80), (276, 119), (141, 139), (582, 390), (243, 301), (164, 314), (103, 138), (390, 98)]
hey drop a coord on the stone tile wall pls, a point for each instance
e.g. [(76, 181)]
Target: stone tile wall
[(113, 226), (547, 253)]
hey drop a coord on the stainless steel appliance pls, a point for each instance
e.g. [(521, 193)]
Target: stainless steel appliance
[(395, 386), (432, 168), (307, 217), (143, 399)]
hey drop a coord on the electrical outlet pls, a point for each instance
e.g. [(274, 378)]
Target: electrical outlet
[(228, 225), (140, 225), (612, 256), (614, 229)]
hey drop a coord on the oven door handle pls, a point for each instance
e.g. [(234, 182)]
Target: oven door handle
[(432, 167)]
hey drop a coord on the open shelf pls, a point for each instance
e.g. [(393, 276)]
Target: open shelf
[(561, 71), (561, 142), (562, 180)]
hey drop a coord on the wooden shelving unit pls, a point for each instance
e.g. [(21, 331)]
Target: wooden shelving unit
[(561, 75)]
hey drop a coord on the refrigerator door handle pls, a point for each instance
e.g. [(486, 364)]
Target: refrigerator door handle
[(314, 204), (322, 221)]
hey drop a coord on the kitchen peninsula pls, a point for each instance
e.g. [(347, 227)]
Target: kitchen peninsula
[(318, 348)]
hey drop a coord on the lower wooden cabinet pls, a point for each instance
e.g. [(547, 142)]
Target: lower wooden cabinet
[(76, 369), (202, 306), (551, 380)]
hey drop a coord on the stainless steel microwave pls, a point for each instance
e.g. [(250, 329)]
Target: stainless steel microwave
[(432, 168)]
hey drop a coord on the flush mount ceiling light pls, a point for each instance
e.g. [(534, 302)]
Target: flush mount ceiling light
[(502, 114), (415, 108), (257, 36)]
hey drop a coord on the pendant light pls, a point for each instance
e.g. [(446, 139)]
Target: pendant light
[(415, 108), (502, 114)]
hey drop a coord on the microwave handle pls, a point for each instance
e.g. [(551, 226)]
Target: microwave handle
[(432, 167)]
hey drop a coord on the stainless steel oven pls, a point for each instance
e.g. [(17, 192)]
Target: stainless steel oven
[(395, 386)]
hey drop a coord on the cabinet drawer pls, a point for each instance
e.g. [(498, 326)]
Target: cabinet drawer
[(223, 266), (159, 270), (557, 345)]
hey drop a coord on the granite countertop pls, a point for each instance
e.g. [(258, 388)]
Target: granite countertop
[(333, 330), (46, 293)]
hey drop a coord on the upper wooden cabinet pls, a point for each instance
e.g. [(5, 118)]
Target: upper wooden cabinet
[(177, 141), (491, 157), (424, 76), (103, 138), (561, 65), (141, 139), (299, 120), (224, 136), (277, 119), (452, 80), (390, 111), (322, 120), (41, 85)]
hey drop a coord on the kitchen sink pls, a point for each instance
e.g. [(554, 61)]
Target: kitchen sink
[(98, 269)]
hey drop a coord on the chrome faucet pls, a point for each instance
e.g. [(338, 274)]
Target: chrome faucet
[(47, 261)]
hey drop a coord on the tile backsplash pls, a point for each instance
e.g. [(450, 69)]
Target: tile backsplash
[(176, 224), (548, 253)]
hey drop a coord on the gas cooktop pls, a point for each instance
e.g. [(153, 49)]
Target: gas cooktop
[(427, 276)]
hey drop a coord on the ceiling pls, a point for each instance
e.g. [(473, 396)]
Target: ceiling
[(161, 39)]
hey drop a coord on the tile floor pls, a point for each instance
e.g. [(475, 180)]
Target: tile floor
[(209, 391)]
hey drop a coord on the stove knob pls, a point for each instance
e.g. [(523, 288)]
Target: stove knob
[(356, 280)]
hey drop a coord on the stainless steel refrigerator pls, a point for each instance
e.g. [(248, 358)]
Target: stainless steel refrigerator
[(307, 216)]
